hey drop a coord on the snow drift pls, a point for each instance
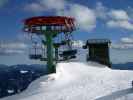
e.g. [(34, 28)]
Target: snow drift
[(80, 81)]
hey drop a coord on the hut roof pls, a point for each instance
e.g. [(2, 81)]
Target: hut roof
[(98, 41)]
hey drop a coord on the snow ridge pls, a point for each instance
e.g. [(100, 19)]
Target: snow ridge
[(80, 81)]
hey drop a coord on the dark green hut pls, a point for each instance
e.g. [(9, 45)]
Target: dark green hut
[(98, 50)]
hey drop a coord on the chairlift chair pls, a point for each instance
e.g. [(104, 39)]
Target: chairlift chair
[(35, 54), (68, 54)]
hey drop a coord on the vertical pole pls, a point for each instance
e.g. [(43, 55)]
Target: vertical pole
[(56, 54), (49, 42), (35, 48), (109, 63)]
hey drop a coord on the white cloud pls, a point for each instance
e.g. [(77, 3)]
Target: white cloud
[(101, 10), (45, 5), (8, 48), (122, 46), (119, 15), (124, 43), (119, 19), (85, 17), (10, 52), (114, 18), (13, 45), (127, 40), (124, 24), (130, 11), (34, 7), (53, 4)]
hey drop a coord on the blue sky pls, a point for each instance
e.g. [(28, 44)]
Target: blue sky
[(111, 19), (12, 13)]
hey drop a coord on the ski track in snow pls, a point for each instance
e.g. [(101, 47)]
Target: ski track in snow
[(80, 81)]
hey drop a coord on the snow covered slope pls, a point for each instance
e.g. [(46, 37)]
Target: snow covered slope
[(80, 81)]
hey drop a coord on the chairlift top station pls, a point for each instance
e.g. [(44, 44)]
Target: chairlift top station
[(54, 24), (50, 27)]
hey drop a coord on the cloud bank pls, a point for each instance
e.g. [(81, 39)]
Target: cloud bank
[(127, 40), (9, 48), (85, 17), (120, 19), (124, 43)]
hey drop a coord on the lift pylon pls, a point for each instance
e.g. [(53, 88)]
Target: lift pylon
[(49, 27)]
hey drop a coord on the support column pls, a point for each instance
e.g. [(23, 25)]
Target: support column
[(49, 42), (56, 54)]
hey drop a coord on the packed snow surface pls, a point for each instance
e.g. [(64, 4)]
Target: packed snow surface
[(80, 81)]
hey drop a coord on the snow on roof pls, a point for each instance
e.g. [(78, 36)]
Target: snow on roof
[(23, 71), (80, 81), (91, 41), (10, 91)]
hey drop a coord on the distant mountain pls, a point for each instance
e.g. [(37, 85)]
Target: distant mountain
[(124, 66), (3, 66), (16, 78)]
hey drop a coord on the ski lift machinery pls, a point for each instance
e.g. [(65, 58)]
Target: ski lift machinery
[(50, 28)]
